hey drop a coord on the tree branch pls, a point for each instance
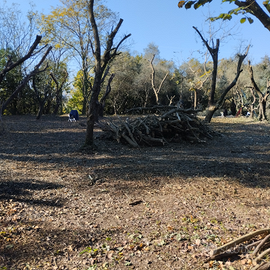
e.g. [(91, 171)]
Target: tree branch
[(10, 65), (26, 79)]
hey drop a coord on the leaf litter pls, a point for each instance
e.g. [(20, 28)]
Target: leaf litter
[(121, 208)]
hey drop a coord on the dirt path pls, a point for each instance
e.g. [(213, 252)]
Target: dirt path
[(123, 208)]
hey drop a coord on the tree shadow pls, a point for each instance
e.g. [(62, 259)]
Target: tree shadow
[(29, 242), (22, 192)]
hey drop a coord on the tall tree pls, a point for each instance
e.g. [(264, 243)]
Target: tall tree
[(69, 27), (214, 105), (262, 96), (101, 64)]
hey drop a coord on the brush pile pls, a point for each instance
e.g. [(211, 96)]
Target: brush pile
[(171, 124)]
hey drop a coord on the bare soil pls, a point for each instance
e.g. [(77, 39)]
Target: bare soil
[(123, 208)]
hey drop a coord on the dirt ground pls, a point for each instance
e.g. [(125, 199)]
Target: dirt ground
[(123, 208)]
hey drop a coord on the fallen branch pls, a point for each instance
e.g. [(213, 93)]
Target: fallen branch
[(172, 125), (262, 246), (222, 249)]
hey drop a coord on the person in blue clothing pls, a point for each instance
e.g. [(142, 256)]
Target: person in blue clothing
[(74, 115)]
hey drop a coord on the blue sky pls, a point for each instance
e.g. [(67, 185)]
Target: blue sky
[(170, 28)]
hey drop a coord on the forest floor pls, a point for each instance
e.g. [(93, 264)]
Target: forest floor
[(124, 208)]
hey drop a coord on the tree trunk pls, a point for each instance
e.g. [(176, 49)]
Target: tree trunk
[(100, 69), (59, 92), (153, 75), (40, 110), (262, 97), (262, 108), (92, 115)]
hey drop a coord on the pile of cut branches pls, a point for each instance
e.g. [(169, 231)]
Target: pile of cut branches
[(174, 125), (254, 247)]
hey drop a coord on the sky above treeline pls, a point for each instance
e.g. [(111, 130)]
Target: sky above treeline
[(170, 28)]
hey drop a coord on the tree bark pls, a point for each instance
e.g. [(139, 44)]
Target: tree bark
[(253, 8), (262, 97), (59, 92), (156, 90), (101, 63)]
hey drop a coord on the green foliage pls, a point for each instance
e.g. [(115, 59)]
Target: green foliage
[(75, 102), (132, 87), (78, 92), (243, 20), (11, 80), (68, 27), (223, 16)]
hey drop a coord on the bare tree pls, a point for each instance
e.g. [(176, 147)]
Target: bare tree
[(10, 65), (212, 104), (101, 64), (153, 76), (262, 97), (59, 90), (41, 98)]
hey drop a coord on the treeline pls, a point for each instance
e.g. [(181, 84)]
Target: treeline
[(187, 85), (131, 80)]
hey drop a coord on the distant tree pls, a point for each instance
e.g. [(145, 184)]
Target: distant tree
[(59, 74), (42, 84), (156, 89), (20, 58), (10, 80), (150, 50), (75, 102), (214, 104), (125, 91), (17, 31), (196, 79), (262, 96), (48, 87)]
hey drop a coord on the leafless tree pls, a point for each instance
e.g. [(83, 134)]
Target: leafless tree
[(101, 64), (212, 104), (153, 76), (262, 96), (10, 65)]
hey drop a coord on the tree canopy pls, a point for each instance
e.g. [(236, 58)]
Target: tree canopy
[(246, 9)]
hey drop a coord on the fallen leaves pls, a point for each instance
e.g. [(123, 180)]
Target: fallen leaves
[(183, 201)]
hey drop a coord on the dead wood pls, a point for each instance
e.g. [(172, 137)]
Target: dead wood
[(260, 246), (239, 247), (171, 124), (263, 266)]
